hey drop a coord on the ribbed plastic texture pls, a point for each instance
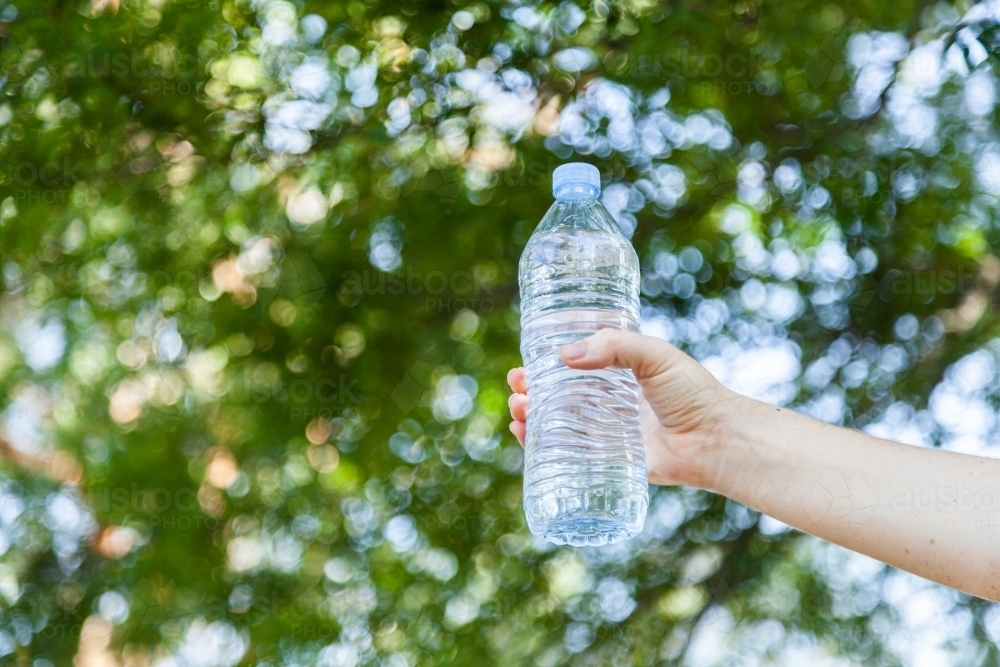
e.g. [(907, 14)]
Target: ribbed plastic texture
[(575, 173), (585, 466)]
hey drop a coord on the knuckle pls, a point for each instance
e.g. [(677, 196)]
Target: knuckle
[(607, 336)]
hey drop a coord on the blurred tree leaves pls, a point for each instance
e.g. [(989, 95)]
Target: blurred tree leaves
[(259, 298)]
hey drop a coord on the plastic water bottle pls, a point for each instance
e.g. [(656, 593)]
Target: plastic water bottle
[(585, 466)]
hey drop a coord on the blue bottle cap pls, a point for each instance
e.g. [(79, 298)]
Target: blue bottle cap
[(576, 173)]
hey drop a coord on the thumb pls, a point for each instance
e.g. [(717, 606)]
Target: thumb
[(645, 355)]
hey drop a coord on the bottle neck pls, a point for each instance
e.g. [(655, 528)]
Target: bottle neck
[(576, 192)]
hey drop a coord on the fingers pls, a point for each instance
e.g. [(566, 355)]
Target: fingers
[(518, 380), (518, 404), (518, 429), (645, 355)]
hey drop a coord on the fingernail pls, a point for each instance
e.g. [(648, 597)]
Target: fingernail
[(574, 351)]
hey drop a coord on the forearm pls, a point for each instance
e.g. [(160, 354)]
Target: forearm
[(931, 512)]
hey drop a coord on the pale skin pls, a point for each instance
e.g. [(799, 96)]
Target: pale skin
[(927, 511)]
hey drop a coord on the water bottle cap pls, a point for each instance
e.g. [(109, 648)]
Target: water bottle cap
[(576, 173)]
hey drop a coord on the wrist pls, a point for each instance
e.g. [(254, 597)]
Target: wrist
[(722, 458)]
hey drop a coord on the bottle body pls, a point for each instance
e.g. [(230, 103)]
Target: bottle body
[(585, 467)]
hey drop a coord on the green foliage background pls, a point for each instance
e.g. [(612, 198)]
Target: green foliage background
[(259, 299)]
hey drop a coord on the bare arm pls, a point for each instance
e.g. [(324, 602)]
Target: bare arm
[(927, 511), (930, 512)]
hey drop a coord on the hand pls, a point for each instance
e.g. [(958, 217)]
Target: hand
[(684, 411)]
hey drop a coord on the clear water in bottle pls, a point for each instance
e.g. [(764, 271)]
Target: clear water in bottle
[(585, 466)]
